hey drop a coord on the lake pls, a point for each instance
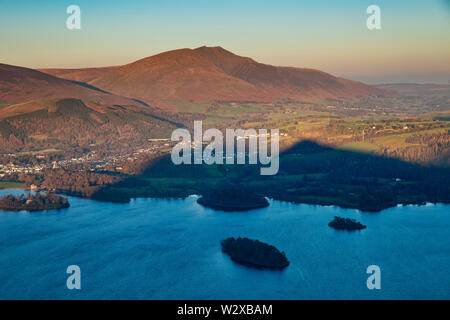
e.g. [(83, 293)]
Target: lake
[(170, 249)]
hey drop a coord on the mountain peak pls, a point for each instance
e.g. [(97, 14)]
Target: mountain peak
[(214, 73), (216, 48)]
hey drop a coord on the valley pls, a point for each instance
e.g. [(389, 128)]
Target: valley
[(342, 143), (274, 152)]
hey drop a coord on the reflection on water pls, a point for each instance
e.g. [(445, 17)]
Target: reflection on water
[(170, 249)]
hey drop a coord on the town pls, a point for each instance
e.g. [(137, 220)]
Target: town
[(91, 161)]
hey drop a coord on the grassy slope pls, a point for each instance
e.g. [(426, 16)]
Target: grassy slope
[(166, 180), (11, 185)]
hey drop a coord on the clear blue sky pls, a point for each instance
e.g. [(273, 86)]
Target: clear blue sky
[(413, 44)]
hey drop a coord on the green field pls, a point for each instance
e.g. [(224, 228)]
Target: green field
[(11, 185)]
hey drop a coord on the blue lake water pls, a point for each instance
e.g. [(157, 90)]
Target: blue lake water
[(170, 249)]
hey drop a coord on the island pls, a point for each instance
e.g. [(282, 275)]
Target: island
[(33, 202), (254, 253), (232, 199), (346, 224)]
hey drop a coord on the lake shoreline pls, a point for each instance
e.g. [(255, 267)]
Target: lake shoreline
[(316, 203), (174, 238), (111, 195)]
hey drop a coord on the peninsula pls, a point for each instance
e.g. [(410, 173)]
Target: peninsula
[(233, 199), (33, 202)]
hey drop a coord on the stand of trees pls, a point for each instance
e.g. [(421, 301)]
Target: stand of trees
[(72, 182), (34, 202)]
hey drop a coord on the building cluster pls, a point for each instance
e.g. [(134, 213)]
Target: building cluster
[(92, 161)]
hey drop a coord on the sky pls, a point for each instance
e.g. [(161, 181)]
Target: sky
[(413, 44)]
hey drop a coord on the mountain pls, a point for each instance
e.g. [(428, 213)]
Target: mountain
[(39, 111), (419, 89), (213, 73), (19, 84), (71, 125), (286, 81), (108, 108), (175, 75)]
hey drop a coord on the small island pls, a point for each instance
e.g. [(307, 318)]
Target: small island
[(346, 224), (33, 202), (254, 253), (232, 199)]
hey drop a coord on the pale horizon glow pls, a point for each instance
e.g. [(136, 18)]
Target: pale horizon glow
[(412, 46)]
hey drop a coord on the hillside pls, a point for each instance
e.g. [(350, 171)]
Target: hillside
[(18, 84), (286, 81), (39, 111), (69, 124), (213, 73), (439, 93)]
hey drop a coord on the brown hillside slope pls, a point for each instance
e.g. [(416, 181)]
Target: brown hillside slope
[(213, 73), (18, 84), (71, 125), (286, 81)]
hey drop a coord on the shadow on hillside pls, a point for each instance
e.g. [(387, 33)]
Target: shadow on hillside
[(85, 85), (309, 173), (141, 102)]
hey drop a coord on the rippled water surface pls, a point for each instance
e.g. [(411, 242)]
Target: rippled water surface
[(170, 249)]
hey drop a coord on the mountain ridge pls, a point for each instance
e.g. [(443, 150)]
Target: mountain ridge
[(39, 111), (214, 73), (20, 84)]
